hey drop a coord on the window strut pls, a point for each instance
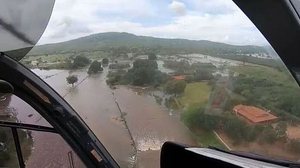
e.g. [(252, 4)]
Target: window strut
[(18, 147), (27, 126), (71, 160)]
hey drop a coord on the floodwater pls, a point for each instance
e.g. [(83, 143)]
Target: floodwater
[(131, 126), (150, 125)]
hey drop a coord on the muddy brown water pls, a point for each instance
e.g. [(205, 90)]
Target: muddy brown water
[(149, 124)]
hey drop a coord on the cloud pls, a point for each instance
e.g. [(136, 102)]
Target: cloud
[(216, 7), (194, 19), (178, 8)]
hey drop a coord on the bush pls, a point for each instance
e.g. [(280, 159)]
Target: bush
[(235, 129), (175, 87), (115, 77), (268, 135), (196, 118), (80, 61)]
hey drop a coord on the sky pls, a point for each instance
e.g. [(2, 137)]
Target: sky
[(214, 20)]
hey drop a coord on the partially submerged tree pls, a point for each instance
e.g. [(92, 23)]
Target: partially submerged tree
[(152, 56), (72, 79), (143, 72), (95, 67), (105, 61)]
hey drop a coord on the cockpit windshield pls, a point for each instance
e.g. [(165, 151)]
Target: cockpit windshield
[(141, 73)]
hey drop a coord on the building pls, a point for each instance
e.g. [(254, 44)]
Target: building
[(253, 114), (178, 77)]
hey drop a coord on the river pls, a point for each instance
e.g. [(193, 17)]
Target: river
[(133, 132)]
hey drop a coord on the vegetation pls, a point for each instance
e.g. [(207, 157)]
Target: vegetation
[(195, 72), (72, 79), (180, 67), (152, 56), (79, 62), (175, 87), (201, 74), (195, 94), (115, 78), (119, 66), (255, 85), (105, 61), (121, 43), (143, 72), (268, 88), (238, 130), (95, 67), (196, 118)]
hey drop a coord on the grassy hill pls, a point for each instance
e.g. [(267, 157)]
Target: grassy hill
[(131, 42)]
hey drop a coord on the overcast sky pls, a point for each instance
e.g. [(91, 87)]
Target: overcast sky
[(215, 20)]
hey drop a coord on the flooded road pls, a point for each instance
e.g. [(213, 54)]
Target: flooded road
[(132, 133), (150, 124)]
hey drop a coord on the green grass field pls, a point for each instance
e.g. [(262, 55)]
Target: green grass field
[(195, 94), (264, 72)]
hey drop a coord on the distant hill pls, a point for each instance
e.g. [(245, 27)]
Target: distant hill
[(114, 40)]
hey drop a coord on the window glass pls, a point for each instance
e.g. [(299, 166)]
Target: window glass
[(8, 154), (50, 150), (39, 149), (192, 71), (14, 109)]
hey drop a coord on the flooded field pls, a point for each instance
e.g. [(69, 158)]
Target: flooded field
[(132, 126)]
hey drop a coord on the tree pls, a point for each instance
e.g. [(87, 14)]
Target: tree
[(95, 67), (175, 87), (152, 56), (202, 74), (268, 135), (141, 76), (143, 72), (80, 61), (105, 61), (196, 118), (142, 63), (72, 79), (235, 129)]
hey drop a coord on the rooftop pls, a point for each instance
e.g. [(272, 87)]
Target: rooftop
[(179, 77), (254, 114)]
